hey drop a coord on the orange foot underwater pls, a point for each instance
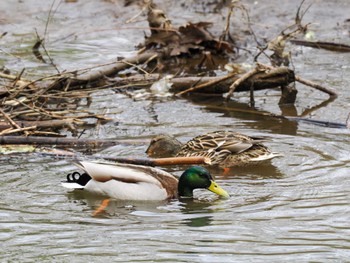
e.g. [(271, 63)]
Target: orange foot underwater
[(226, 171), (101, 208)]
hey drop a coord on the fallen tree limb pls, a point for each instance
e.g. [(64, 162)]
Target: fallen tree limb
[(102, 72), (37, 140), (322, 45), (240, 80), (217, 85), (314, 85), (311, 84), (206, 84), (69, 123), (159, 161), (261, 80), (58, 153)]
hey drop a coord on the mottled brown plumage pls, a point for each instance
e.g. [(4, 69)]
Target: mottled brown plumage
[(224, 148)]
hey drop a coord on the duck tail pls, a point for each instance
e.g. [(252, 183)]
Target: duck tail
[(76, 180)]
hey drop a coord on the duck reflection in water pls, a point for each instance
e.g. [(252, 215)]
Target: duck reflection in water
[(197, 212)]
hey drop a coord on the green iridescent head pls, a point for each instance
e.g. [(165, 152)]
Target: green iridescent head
[(198, 177)]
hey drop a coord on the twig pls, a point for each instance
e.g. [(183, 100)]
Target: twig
[(13, 124), (35, 48), (206, 84), (48, 18), (37, 54), (298, 17), (25, 130), (228, 19), (240, 80), (46, 133), (8, 76), (337, 47), (136, 66), (131, 20), (277, 45), (311, 84), (9, 120), (217, 85), (314, 85), (110, 69), (159, 161), (251, 31)]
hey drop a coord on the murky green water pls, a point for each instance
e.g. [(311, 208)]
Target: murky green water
[(294, 208)]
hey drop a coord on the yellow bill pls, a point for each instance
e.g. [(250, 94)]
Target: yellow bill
[(215, 188)]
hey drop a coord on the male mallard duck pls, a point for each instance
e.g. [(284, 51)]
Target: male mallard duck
[(224, 148), (136, 182)]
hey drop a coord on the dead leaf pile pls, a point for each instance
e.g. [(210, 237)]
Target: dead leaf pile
[(189, 39)]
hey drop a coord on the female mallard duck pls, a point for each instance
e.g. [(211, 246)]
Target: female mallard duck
[(136, 182), (223, 148)]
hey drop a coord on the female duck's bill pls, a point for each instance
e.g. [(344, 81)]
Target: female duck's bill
[(136, 182)]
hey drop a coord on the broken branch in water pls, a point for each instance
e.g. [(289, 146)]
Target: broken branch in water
[(68, 123), (37, 140), (311, 84), (206, 84), (213, 85), (314, 85), (103, 72), (322, 45), (14, 125), (10, 131), (159, 161), (240, 80), (24, 148)]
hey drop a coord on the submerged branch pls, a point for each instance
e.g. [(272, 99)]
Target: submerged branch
[(159, 161), (322, 45), (57, 141)]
